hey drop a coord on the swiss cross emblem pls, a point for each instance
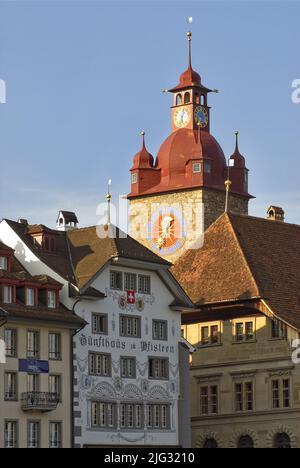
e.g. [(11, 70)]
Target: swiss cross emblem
[(130, 297)]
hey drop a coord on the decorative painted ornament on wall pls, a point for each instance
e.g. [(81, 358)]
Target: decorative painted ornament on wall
[(166, 231)]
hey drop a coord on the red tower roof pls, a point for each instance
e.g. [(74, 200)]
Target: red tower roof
[(143, 159), (237, 158)]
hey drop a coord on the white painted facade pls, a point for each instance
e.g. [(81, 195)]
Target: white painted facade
[(140, 392)]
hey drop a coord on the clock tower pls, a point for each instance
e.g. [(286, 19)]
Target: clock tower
[(176, 196)]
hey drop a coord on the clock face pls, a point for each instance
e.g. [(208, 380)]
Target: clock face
[(166, 232), (182, 117), (201, 116)]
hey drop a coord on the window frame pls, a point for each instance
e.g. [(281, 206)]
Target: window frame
[(16, 423), (115, 288), (60, 432), (126, 359), (57, 356), (146, 291), (153, 362), (15, 394), (209, 402), (4, 264), (165, 326), (199, 171), (38, 342), (15, 339), (128, 318), (39, 433), (96, 356), (98, 315)]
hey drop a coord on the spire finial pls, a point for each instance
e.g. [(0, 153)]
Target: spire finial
[(143, 133), (108, 199), (236, 140), (227, 185), (189, 35)]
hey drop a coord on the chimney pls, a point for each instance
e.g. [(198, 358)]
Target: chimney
[(66, 221), (275, 213), (23, 221)]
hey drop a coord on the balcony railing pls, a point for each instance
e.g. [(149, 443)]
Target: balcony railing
[(39, 401)]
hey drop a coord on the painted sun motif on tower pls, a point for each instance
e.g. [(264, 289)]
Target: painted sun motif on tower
[(166, 232)]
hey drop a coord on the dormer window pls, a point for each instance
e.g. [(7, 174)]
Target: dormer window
[(196, 168), (7, 294), (134, 178), (51, 299), (30, 297), (3, 263), (207, 168)]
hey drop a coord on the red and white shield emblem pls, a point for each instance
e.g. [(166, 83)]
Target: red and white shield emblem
[(130, 297)]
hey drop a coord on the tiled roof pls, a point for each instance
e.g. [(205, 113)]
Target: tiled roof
[(245, 258)]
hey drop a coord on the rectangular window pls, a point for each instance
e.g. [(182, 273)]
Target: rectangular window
[(275, 394), (7, 294), (210, 335), (244, 331), (116, 280), (196, 168), (33, 344), (209, 400), (3, 263), (100, 324), (104, 415), (30, 297), (128, 368), (160, 330), (10, 386), (130, 326), (51, 299), (131, 416), (144, 284), (54, 346), (55, 435), (10, 338), (130, 282), (239, 332), (286, 393), (100, 364), (11, 434), (55, 385), (249, 331), (207, 167), (244, 397), (158, 416), (134, 178), (158, 368), (33, 383), (33, 435), (278, 330)]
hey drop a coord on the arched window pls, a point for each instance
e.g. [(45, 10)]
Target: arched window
[(245, 442), (203, 100), (197, 98), (282, 441), (210, 443), (178, 100), (187, 98)]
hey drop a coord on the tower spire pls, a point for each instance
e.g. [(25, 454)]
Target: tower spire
[(108, 199), (236, 141), (227, 185), (189, 35)]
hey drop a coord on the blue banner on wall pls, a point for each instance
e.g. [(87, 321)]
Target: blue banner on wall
[(33, 366)]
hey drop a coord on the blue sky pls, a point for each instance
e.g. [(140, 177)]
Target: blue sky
[(85, 77)]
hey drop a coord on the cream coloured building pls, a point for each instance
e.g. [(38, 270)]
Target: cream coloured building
[(36, 380), (245, 382)]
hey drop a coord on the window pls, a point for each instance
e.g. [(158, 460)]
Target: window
[(99, 324), (100, 364), (10, 338), (244, 331), (207, 168), (116, 280), (131, 416), (134, 178), (197, 98), (33, 383), (51, 295), (158, 416), (187, 98), (128, 368), (55, 435), (178, 100), (33, 435), (130, 326), (103, 415), (11, 434), (33, 344), (278, 330), (30, 297), (158, 368), (281, 393), (7, 294), (3, 263), (10, 386), (196, 168), (210, 335), (160, 330), (210, 443), (54, 346), (55, 385), (282, 441), (130, 282), (245, 442), (244, 396), (144, 284), (209, 400)]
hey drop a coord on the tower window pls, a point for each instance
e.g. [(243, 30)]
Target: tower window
[(187, 98), (196, 168), (178, 100), (134, 178), (203, 103), (207, 168), (197, 98), (3, 263)]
